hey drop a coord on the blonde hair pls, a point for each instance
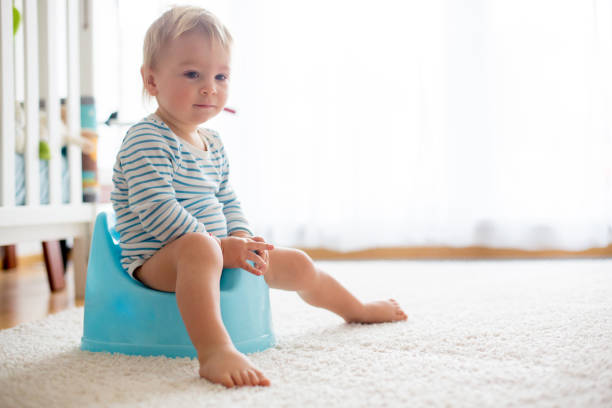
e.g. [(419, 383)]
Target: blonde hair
[(179, 20)]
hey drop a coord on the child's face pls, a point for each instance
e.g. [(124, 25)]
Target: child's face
[(191, 79)]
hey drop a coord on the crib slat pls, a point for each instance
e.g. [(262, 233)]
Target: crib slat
[(30, 21), (73, 105), (7, 106), (49, 91)]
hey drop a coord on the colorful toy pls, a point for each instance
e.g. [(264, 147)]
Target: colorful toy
[(124, 316)]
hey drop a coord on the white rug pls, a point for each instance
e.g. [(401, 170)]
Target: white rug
[(495, 334)]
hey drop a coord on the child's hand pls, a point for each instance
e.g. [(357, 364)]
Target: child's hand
[(262, 253), (237, 250)]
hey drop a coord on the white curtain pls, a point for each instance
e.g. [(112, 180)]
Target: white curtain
[(386, 123)]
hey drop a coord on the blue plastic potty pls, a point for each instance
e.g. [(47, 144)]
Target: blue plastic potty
[(124, 316)]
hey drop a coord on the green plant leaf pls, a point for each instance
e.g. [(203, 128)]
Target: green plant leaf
[(16, 20)]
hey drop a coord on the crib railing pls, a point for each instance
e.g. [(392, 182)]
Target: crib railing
[(37, 52), (40, 77)]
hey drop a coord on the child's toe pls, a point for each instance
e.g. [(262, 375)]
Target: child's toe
[(246, 378), (262, 379), (237, 378), (227, 381), (253, 379)]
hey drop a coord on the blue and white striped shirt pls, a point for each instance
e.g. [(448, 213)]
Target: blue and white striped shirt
[(164, 187)]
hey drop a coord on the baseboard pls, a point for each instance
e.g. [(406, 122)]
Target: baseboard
[(455, 253)]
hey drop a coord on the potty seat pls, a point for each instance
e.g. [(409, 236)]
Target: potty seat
[(124, 316)]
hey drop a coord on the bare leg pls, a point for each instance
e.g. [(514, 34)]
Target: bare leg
[(291, 269), (191, 266)]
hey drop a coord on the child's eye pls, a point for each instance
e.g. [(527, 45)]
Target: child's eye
[(221, 77), (191, 74)]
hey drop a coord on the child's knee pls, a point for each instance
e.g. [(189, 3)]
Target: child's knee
[(303, 258), (198, 247), (304, 269)]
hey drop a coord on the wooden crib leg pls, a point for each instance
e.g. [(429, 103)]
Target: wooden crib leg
[(65, 253), (55, 265), (9, 259)]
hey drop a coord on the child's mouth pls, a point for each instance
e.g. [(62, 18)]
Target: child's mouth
[(204, 106)]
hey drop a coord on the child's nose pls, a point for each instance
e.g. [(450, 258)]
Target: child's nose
[(208, 89)]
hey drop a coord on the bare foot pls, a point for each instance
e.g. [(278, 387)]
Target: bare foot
[(229, 367), (380, 312)]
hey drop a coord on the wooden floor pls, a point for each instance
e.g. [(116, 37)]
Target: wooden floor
[(25, 295)]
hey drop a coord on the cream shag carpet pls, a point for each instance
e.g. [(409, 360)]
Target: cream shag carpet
[(481, 334)]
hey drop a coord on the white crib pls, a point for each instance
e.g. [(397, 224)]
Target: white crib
[(56, 220)]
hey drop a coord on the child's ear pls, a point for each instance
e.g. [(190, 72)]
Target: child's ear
[(148, 80)]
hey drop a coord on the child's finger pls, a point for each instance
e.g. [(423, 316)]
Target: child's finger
[(263, 254), (260, 245), (247, 267), (258, 239), (252, 256)]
